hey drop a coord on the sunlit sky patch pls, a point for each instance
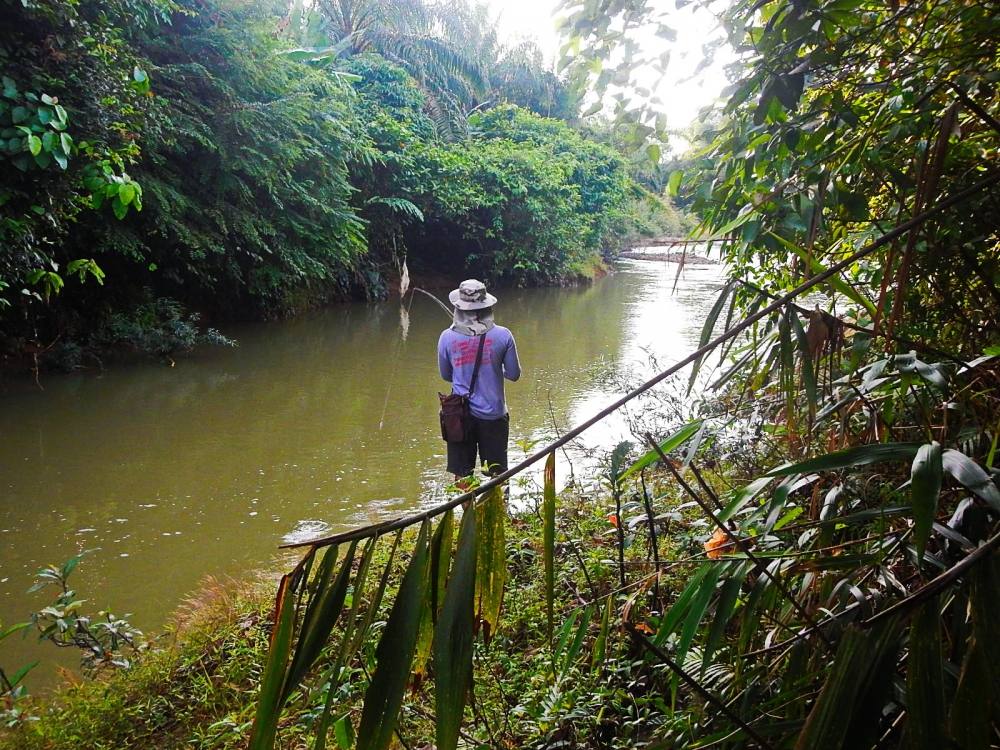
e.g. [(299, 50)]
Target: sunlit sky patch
[(683, 96)]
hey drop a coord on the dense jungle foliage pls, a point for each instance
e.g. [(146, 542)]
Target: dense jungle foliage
[(839, 481), (804, 554), (256, 159)]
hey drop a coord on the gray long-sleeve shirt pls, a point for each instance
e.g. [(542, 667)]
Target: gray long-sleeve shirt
[(457, 358)]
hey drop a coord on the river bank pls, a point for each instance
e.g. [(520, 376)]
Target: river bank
[(196, 687)]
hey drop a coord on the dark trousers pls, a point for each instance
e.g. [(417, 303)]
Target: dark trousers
[(488, 437)]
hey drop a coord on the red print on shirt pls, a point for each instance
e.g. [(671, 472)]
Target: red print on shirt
[(464, 352)]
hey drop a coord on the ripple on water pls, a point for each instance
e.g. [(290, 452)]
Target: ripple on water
[(306, 529)]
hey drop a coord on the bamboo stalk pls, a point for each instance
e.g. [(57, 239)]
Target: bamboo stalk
[(892, 234)]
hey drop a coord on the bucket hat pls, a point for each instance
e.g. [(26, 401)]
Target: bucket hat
[(471, 295)]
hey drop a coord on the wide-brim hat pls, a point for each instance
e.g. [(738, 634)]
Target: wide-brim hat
[(471, 295)]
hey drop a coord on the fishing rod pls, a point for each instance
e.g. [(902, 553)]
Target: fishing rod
[(402, 522)]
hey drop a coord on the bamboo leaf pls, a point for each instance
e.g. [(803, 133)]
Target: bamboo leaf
[(269, 702), (708, 328), (671, 442), (925, 720), (743, 497), (361, 632), (858, 456), (440, 560), (577, 645), (863, 657), (601, 642), (491, 561), (549, 540), (394, 654), (321, 614), (724, 608), (972, 476), (696, 612), (350, 625), (695, 444), (925, 486), (969, 723), (674, 614), (453, 638), (805, 355), (437, 577), (836, 282), (563, 639)]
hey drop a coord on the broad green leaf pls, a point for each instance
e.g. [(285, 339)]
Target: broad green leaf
[(34, 144), (343, 731), (925, 486), (549, 540), (972, 476), (394, 654), (491, 560), (126, 192), (671, 442), (674, 183), (925, 715), (265, 724), (861, 455), (453, 637), (321, 614)]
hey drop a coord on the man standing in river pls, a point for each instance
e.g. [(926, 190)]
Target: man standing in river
[(458, 348)]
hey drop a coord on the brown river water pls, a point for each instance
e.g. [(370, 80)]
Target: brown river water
[(165, 475)]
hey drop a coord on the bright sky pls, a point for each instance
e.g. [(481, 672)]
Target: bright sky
[(682, 99)]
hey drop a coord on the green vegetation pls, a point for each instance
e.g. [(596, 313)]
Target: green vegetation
[(812, 563), (196, 685), (193, 152)]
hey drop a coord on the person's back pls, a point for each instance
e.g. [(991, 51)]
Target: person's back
[(458, 349), (457, 359)]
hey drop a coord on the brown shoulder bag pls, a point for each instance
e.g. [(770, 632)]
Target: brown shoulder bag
[(456, 419)]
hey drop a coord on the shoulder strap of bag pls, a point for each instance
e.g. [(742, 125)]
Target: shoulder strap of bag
[(479, 361)]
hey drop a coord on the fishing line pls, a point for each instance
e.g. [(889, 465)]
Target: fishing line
[(404, 327), (442, 305)]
